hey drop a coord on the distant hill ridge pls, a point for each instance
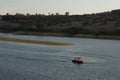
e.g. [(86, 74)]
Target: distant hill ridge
[(106, 23)]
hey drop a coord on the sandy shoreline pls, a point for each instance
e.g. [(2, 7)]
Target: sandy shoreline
[(35, 41)]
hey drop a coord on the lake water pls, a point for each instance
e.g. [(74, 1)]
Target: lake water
[(23, 61)]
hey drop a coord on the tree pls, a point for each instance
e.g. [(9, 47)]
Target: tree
[(7, 14), (28, 14), (67, 13), (39, 27), (49, 14), (0, 18), (57, 14)]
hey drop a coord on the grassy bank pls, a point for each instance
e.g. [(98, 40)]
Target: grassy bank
[(115, 37), (41, 34), (35, 41)]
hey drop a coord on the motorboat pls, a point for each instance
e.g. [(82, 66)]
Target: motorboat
[(78, 60)]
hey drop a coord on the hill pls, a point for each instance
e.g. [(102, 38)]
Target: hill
[(106, 23)]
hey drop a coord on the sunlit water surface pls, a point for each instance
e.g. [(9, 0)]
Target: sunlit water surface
[(23, 61)]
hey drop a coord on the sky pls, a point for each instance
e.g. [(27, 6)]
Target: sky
[(57, 6)]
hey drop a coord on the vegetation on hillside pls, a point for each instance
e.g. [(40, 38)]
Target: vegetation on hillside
[(106, 23)]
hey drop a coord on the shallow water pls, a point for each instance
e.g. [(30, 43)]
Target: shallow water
[(23, 61)]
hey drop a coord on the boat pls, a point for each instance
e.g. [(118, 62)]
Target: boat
[(78, 61)]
